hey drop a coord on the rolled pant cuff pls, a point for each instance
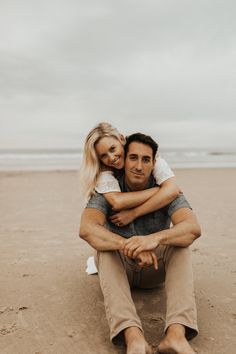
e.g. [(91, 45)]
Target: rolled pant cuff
[(117, 336), (191, 329)]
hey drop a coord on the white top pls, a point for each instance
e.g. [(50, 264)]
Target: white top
[(108, 183)]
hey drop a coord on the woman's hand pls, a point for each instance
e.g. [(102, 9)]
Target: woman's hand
[(137, 244), (123, 218)]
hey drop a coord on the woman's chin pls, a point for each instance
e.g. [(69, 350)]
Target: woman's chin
[(119, 167)]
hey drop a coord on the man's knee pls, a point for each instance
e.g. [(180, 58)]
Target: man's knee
[(108, 259), (178, 254)]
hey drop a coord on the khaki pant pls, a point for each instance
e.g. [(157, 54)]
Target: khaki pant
[(118, 274)]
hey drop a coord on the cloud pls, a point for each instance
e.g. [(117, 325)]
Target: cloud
[(76, 63)]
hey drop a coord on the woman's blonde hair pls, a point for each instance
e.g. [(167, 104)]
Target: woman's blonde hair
[(91, 166)]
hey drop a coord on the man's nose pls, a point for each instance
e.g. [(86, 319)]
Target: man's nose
[(139, 165)]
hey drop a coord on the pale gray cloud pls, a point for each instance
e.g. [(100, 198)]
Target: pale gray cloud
[(66, 65)]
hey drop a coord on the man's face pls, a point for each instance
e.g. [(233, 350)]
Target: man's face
[(139, 164)]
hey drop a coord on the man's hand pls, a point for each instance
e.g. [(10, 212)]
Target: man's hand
[(137, 244), (123, 218), (147, 259)]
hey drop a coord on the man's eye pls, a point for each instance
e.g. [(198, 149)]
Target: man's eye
[(132, 157), (113, 148), (146, 160)]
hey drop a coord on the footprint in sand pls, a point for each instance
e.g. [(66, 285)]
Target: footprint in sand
[(11, 319)]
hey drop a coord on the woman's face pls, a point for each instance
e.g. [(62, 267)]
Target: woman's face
[(110, 152)]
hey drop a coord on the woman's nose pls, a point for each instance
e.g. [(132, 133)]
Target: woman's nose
[(111, 157)]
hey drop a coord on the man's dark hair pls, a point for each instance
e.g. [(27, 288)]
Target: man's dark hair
[(141, 138)]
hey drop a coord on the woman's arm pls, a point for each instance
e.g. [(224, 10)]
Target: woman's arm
[(127, 200), (108, 186), (168, 191)]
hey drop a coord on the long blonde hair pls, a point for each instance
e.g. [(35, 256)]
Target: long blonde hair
[(91, 166)]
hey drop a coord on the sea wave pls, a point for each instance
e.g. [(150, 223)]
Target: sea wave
[(70, 159)]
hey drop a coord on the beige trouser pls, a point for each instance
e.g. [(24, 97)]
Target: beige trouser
[(117, 274)]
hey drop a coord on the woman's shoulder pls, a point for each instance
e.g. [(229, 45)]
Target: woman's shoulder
[(106, 174), (107, 182), (162, 171)]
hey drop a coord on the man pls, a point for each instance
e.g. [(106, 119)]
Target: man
[(124, 254)]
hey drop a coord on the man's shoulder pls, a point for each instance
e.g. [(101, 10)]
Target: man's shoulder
[(97, 201), (179, 202)]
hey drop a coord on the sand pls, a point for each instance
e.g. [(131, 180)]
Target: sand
[(49, 305)]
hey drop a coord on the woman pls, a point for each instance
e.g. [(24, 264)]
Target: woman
[(103, 155)]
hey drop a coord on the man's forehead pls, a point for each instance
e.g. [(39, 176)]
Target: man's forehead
[(139, 148)]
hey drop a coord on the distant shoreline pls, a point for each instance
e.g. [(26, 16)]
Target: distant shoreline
[(79, 150), (70, 159)]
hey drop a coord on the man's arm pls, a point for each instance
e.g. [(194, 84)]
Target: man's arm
[(184, 231), (93, 231)]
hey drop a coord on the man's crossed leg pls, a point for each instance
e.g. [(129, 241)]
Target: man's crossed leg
[(116, 275)]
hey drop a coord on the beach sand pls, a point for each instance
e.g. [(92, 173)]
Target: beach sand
[(49, 305)]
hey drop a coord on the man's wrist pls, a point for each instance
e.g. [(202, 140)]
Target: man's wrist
[(121, 244), (158, 237)]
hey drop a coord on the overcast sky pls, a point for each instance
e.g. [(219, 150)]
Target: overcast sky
[(162, 67)]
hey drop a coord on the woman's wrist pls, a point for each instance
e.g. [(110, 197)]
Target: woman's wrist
[(135, 212)]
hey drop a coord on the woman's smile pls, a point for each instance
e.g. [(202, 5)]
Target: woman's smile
[(110, 152)]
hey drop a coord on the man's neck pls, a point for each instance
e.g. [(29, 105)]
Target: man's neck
[(136, 187)]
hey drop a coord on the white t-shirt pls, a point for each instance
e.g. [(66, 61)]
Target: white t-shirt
[(108, 183)]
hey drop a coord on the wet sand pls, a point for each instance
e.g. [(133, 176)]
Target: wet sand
[(49, 305)]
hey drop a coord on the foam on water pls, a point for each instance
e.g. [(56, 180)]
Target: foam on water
[(70, 159)]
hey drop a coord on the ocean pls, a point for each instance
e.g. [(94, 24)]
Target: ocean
[(70, 159)]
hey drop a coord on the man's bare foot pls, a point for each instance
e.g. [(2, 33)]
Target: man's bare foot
[(175, 341), (135, 341)]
